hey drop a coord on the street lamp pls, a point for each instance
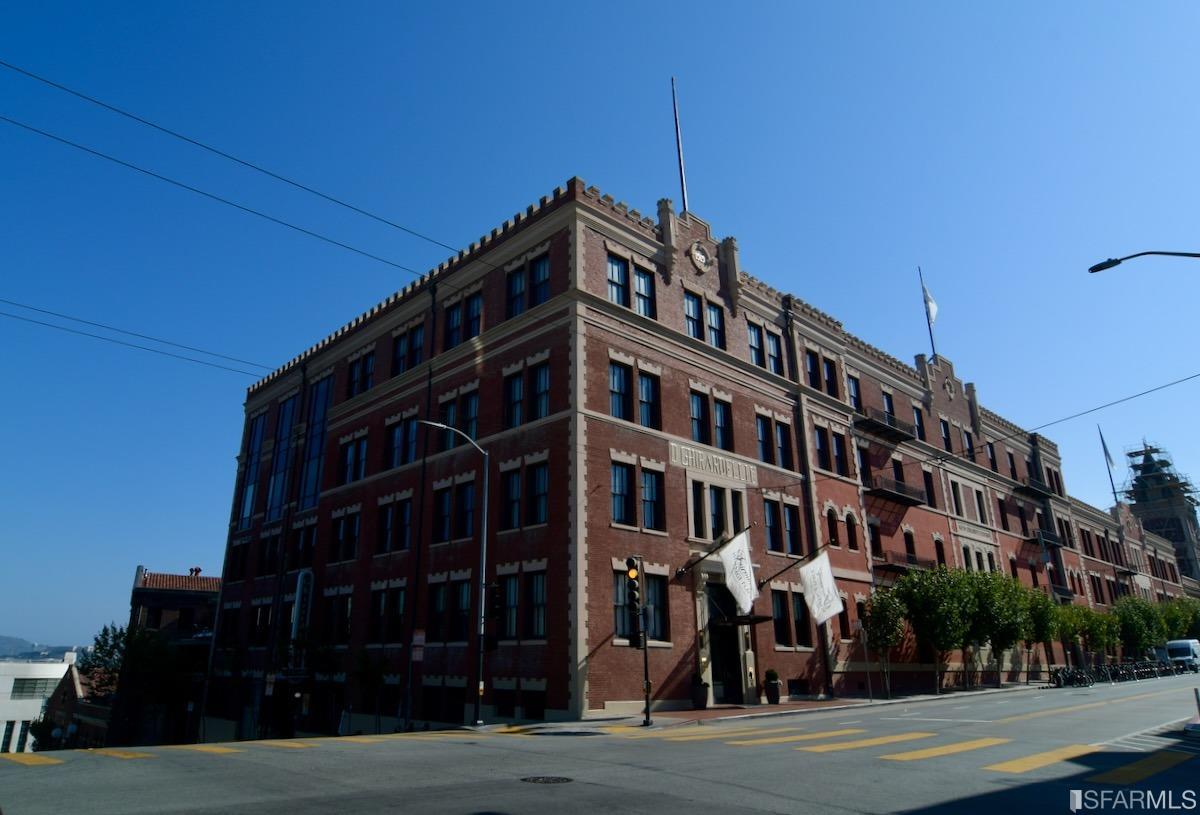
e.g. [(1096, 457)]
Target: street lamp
[(483, 533), (1111, 262)]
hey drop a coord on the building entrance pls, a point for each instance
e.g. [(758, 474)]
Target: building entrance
[(724, 645)]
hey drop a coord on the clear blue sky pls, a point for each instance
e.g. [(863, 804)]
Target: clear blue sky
[(1004, 150)]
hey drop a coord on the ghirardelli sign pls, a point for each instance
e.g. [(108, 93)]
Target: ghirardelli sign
[(695, 458)]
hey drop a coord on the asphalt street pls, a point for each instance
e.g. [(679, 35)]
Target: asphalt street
[(1020, 751)]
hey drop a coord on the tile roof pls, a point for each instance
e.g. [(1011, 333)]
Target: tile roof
[(179, 582)]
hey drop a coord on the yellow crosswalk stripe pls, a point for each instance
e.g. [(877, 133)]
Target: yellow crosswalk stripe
[(627, 732), (113, 752), (850, 731), (287, 744), (1037, 714), (860, 743), (1038, 760), (724, 734), (946, 749), (30, 759), (215, 749), (1140, 770), (362, 739)]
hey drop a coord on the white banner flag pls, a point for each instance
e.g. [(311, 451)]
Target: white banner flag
[(739, 571), (820, 592), (930, 306)]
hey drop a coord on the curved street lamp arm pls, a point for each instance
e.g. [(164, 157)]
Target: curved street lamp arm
[(1111, 262), (461, 434)]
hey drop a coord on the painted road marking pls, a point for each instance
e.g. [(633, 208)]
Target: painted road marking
[(925, 719), (287, 744), (691, 732), (1142, 769), (850, 731), (30, 759), (1020, 717), (855, 745), (856, 721), (113, 752), (215, 749), (728, 733), (946, 749), (1037, 760)]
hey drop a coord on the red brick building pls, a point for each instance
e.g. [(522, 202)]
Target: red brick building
[(638, 393)]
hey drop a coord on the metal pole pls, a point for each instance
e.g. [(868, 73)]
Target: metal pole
[(644, 619), (483, 542)]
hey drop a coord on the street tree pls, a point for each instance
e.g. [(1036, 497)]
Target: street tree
[(1043, 621), (1181, 616), (884, 624), (1006, 615), (940, 606), (1141, 624), (102, 664)]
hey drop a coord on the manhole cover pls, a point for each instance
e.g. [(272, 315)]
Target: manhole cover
[(546, 779)]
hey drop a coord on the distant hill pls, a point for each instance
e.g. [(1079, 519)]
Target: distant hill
[(11, 646)]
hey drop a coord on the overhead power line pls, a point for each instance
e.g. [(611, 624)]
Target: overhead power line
[(126, 344), (133, 333), (209, 195)]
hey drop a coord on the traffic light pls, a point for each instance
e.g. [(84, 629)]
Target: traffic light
[(633, 599)]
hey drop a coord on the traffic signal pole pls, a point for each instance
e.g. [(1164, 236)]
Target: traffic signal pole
[(640, 617)]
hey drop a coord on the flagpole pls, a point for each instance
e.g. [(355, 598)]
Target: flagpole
[(1109, 464), (687, 567), (928, 320), (679, 147)]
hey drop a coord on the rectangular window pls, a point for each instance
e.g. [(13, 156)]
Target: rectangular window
[(801, 620), (441, 515), (510, 589), (622, 624), (345, 538), (510, 502), (699, 521), (385, 529), (402, 443), (449, 417), (783, 445), (919, 422), (766, 446), (774, 354), (643, 291), (864, 466), (791, 529), (723, 424), (281, 462), (889, 405), (515, 289), (537, 478), (535, 607), (618, 281), (821, 448), (360, 375), (758, 354), (969, 444), (620, 391), (841, 461), (653, 501), (716, 511), (460, 623), (474, 322), (656, 608), (468, 411), (773, 524), (991, 450), (464, 510), (649, 409), (353, 462), (250, 476), (540, 374), (831, 379), (416, 345), (981, 507), (1003, 515), (783, 625), (1012, 466), (945, 425), (691, 315), (454, 323), (698, 408), (957, 496), (539, 281), (378, 622), (623, 495), (514, 399), (716, 325), (930, 496), (855, 392), (812, 368)]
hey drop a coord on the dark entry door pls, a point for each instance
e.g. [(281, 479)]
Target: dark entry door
[(724, 646)]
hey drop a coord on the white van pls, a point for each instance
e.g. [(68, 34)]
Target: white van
[(1185, 651)]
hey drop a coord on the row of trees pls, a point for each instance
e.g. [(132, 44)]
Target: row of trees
[(950, 610)]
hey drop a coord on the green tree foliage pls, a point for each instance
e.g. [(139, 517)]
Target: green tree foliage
[(1043, 620), (884, 624), (941, 605), (1181, 616), (1100, 631), (1002, 612), (1141, 625), (102, 665)]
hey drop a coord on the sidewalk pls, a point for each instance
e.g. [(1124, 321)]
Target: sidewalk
[(676, 718)]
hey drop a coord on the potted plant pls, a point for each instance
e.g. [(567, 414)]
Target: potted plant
[(771, 685), (699, 692)]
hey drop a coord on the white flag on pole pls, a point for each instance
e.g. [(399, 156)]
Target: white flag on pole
[(930, 306), (739, 571), (820, 592)]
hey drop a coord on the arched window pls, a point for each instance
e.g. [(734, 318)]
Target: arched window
[(832, 519), (851, 532)]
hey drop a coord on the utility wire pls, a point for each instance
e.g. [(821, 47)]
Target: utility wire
[(134, 334), (228, 156), (127, 344), (209, 195)]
